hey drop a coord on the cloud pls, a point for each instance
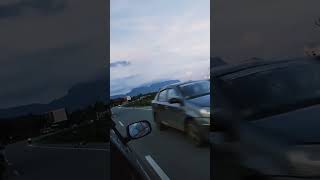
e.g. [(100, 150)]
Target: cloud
[(266, 29), (44, 54), (161, 43), (27, 7), (119, 63), (124, 84)]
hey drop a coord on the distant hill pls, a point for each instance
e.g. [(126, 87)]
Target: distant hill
[(24, 110), (118, 96), (150, 88), (82, 95), (147, 88), (79, 96)]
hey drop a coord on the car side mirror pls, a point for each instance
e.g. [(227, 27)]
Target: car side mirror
[(29, 141), (175, 100), (138, 129)]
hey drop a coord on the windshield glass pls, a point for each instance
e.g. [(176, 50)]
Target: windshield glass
[(195, 89), (276, 90)]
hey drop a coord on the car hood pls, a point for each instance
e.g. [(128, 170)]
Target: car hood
[(202, 101), (284, 144), (302, 125)]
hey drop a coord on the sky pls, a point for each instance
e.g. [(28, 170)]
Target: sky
[(268, 29), (154, 40), (49, 46)]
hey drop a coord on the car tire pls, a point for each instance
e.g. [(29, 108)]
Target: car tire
[(160, 126), (193, 134)]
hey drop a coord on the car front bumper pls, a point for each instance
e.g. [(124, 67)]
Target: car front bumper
[(204, 127)]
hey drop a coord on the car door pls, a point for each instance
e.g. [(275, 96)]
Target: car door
[(161, 106), (175, 113), (139, 166)]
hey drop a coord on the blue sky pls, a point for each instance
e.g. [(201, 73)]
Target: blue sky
[(153, 40)]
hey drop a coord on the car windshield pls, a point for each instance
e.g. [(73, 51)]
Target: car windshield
[(195, 89), (276, 90)]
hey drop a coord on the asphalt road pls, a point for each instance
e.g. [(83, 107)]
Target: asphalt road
[(168, 152), (58, 162)]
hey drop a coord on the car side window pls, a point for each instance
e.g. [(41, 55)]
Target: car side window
[(162, 96), (172, 93)]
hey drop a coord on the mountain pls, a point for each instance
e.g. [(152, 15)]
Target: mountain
[(150, 88), (82, 95), (79, 96), (24, 110), (146, 88), (118, 96)]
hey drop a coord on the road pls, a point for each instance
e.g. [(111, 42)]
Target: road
[(168, 152), (63, 162)]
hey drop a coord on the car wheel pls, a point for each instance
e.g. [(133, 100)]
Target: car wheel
[(194, 134), (160, 126)]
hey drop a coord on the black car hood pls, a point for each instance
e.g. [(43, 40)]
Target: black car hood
[(202, 101), (302, 125)]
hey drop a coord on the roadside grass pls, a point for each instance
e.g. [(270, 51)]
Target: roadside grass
[(96, 132), (146, 101)]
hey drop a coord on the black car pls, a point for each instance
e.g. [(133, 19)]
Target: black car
[(266, 120), (124, 163), (186, 107)]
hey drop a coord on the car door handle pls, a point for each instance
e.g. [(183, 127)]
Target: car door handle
[(166, 107)]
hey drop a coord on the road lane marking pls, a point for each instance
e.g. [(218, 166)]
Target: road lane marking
[(156, 167), (145, 173), (144, 109), (137, 108), (121, 123), (70, 148)]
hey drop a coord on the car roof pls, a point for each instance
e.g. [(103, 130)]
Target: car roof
[(254, 64), (178, 84)]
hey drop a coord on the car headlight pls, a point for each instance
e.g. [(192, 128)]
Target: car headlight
[(205, 112), (204, 121)]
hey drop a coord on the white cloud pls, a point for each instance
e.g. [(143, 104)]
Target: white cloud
[(52, 51), (161, 47)]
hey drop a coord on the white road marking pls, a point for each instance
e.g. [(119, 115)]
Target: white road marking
[(121, 123), (138, 108), (157, 168), (71, 148), (145, 173), (145, 109)]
